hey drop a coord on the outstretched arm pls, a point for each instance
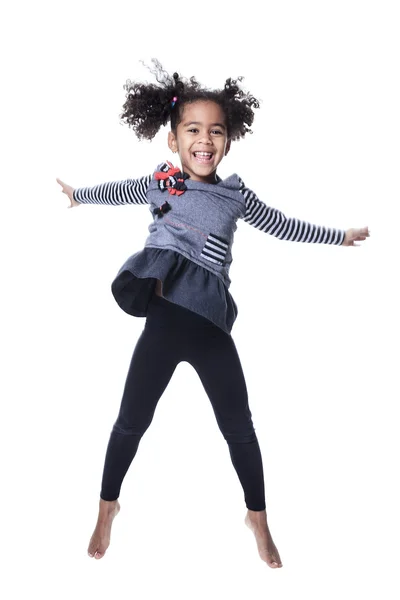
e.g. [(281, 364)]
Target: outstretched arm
[(129, 191), (274, 222)]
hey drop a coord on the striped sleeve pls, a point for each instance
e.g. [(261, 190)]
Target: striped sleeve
[(129, 191), (274, 222)]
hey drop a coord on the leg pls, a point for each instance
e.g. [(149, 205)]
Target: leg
[(217, 363), (152, 366)]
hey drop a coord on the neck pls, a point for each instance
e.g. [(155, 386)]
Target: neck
[(212, 178)]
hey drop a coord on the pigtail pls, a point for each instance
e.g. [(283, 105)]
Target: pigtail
[(238, 107), (149, 106)]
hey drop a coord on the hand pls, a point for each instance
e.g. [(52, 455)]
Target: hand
[(67, 189), (355, 235)]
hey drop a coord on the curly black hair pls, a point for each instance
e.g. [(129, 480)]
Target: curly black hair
[(148, 106)]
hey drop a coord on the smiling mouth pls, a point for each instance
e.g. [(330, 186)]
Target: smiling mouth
[(203, 157)]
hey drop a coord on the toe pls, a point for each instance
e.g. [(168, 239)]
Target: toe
[(276, 564), (92, 548), (274, 561)]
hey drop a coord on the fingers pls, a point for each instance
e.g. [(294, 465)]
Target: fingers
[(365, 231), (361, 234), (63, 185), (68, 190)]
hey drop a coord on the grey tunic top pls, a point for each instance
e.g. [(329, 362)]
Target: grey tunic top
[(189, 246)]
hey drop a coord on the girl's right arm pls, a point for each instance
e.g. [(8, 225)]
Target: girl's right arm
[(129, 191)]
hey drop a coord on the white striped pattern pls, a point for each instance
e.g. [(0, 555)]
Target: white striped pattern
[(129, 191), (274, 222), (215, 249)]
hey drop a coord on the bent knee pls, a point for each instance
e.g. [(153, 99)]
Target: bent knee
[(244, 437), (125, 429)]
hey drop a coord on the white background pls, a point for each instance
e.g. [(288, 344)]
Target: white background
[(317, 330)]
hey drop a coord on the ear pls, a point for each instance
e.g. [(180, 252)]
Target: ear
[(172, 142), (227, 147)]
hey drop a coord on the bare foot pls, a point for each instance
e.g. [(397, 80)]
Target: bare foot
[(100, 539), (257, 522)]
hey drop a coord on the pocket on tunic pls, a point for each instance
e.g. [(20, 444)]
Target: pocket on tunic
[(215, 249)]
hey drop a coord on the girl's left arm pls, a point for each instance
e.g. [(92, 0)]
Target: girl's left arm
[(274, 222)]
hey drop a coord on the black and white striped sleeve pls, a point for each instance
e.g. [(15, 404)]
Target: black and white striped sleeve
[(129, 191), (274, 222)]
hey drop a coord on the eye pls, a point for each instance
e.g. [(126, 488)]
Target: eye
[(194, 129), (217, 131)]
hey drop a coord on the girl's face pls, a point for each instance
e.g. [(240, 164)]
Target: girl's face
[(201, 139)]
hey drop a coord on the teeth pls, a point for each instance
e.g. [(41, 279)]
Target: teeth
[(203, 154)]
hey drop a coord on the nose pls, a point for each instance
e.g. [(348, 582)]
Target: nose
[(205, 138)]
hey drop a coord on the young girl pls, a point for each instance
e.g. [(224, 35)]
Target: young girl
[(180, 280)]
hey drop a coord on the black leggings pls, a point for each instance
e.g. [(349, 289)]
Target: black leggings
[(173, 334)]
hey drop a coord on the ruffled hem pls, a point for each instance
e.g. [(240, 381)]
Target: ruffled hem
[(184, 283)]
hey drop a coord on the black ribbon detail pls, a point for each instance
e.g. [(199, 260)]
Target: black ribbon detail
[(162, 209)]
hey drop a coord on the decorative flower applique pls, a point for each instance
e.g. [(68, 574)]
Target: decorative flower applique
[(172, 179)]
